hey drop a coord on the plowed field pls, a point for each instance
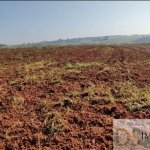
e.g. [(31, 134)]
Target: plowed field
[(65, 98)]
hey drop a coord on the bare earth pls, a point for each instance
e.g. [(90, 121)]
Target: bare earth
[(65, 98)]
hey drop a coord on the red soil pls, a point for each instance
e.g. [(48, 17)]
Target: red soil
[(49, 117)]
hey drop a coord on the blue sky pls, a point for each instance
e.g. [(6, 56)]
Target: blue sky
[(26, 22)]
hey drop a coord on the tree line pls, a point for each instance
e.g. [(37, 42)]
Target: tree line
[(1, 45)]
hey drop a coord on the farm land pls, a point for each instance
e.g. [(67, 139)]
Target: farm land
[(65, 97)]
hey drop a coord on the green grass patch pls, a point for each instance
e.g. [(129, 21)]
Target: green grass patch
[(17, 101), (68, 66), (89, 64), (3, 68), (34, 66), (15, 82), (30, 78), (56, 81)]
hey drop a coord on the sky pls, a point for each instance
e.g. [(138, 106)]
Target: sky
[(36, 21)]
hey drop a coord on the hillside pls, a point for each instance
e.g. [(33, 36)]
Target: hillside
[(99, 40)]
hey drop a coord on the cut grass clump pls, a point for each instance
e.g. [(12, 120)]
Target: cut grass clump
[(108, 95), (56, 81), (132, 106), (17, 101), (30, 78), (1, 90), (68, 66), (55, 125), (79, 65), (133, 97), (15, 82), (3, 68), (73, 71), (34, 66), (106, 68), (89, 92), (89, 64), (42, 74), (74, 94), (44, 108)]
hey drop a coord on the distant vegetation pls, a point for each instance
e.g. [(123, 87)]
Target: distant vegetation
[(99, 40), (2, 45), (144, 39)]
